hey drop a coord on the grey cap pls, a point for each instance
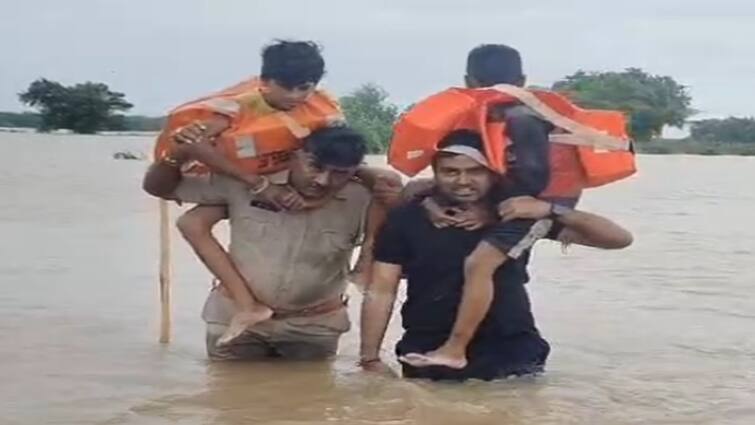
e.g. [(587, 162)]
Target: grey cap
[(468, 151)]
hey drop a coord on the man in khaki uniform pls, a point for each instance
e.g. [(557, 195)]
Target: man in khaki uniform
[(295, 262)]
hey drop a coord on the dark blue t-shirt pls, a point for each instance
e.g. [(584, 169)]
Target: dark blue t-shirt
[(432, 260)]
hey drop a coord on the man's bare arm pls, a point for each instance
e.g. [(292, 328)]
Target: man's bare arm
[(162, 178), (164, 174), (377, 308), (584, 228), (581, 227)]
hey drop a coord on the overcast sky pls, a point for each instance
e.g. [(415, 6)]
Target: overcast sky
[(162, 52)]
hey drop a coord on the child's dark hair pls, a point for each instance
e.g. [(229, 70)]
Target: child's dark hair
[(292, 63), (491, 64), (338, 146)]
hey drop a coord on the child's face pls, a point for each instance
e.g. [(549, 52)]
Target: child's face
[(284, 98)]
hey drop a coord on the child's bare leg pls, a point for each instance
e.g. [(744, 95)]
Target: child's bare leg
[(196, 227), (376, 216), (479, 268)]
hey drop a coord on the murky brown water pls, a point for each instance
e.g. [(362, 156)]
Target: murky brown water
[(661, 333)]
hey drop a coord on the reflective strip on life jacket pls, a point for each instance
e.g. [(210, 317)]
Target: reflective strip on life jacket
[(227, 107), (298, 130), (579, 134)]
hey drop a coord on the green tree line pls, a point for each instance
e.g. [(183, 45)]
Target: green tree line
[(84, 108), (651, 102)]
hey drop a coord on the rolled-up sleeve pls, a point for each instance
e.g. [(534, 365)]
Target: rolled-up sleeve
[(207, 190)]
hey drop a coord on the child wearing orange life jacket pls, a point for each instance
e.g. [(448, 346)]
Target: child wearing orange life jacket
[(247, 131), (528, 173)]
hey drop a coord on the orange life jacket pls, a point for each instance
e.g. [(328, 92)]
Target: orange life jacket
[(591, 146), (259, 143)]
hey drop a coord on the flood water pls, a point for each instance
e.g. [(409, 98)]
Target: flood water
[(660, 333)]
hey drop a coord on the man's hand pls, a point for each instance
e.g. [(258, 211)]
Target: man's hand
[(210, 128), (192, 142), (387, 188), (417, 188), (384, 185), (189, 134), (525, 207)]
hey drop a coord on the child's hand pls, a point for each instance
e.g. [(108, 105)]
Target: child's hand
[(290, 199), (525, 207), (282, 197), (474, 218), (440, 216)]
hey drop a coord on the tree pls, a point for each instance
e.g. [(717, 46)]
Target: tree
[(728, 130), (368, 110), (23, 120), (83, 108), (651, 101)]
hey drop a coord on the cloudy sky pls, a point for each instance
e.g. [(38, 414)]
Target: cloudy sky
[(162, 52)]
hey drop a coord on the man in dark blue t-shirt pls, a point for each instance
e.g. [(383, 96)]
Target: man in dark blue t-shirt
[(432, 260)]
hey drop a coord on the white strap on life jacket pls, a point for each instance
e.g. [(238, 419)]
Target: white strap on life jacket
[(223, 106), (577, 133)]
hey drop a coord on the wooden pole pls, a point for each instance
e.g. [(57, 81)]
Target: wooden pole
[(165, 283)]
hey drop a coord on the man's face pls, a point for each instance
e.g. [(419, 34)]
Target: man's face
[(314, 180), (462, 179), (284, 98)]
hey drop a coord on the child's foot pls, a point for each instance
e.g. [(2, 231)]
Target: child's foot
[(244, 320), (443, 356)]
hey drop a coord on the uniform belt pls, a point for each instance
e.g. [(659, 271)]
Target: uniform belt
[(316, 310), (325, 307)]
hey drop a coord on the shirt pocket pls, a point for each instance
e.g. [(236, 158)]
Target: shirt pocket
[(335, 242), (254, 223)]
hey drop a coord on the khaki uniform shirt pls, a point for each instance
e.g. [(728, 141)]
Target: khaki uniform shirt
[(291, 260)]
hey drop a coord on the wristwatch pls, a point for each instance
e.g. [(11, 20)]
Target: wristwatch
[(171, 161), (261, 187), (558, 211)]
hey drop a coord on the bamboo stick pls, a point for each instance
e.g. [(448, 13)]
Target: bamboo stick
[(165, 281)]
